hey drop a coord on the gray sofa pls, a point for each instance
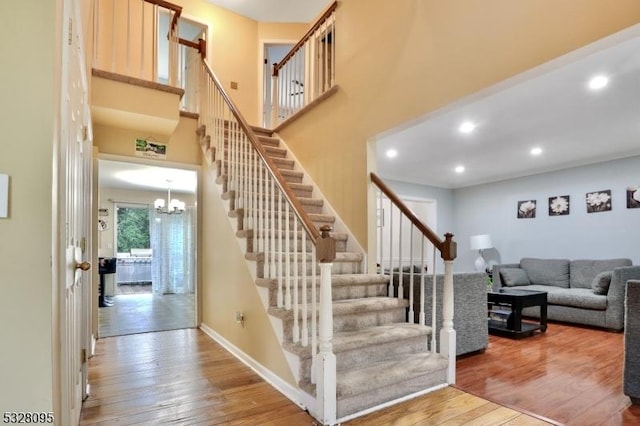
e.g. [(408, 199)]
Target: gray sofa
[(631, 375), (469, 307), (589, 292)]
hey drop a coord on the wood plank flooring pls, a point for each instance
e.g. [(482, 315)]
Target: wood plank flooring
[(570, 374), (182, 377)]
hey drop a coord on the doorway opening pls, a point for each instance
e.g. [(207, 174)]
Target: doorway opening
[(273, 54), (153, 284)]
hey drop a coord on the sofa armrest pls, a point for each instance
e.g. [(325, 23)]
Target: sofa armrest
[(631, 367), (495, 274), (616, 295)]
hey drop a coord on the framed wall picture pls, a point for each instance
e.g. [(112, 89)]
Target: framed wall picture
[(526, 209), (599, 201), (633, 197), (559, 205)]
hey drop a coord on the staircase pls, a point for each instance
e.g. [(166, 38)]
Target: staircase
[(379, 356)]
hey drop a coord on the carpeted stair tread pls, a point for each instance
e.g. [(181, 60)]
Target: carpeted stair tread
[(388, 373), (344, 341), (352, 306), (336, 280), (340, 257), (249, 233)]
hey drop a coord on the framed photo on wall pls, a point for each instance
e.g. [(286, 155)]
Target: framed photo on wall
[(633, 197), (526, 209), (599, 201), (559, 205)]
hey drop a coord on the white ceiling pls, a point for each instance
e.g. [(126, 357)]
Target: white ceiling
[(134, 176), (275, 10), (549, 107)]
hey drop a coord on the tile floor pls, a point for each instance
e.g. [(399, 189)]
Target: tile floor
[(146, 312)]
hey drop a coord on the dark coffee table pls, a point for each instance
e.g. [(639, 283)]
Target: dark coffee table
[(505, 312)]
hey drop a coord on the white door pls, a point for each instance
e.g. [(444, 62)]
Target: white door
[(74, 166)]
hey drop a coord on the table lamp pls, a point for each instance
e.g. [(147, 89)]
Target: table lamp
[(480, 242)]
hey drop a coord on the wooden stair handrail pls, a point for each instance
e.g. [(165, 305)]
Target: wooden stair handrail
[(302, 215), (307, 36), (167, 5), (446, 247)]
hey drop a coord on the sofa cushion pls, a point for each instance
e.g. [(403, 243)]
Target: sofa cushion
[(601, 282), (553, 272), (514, 276), (575, 297), (583, 271)]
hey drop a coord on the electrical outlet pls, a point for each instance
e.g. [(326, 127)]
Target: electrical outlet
[(240, 318)]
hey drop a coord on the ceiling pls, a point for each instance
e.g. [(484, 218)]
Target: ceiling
[(549, 107), (275, 10), (134, 176)]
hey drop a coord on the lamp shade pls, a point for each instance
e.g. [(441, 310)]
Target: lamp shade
[(481, 242)]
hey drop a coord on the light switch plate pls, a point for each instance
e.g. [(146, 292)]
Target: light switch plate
[(4, 196)]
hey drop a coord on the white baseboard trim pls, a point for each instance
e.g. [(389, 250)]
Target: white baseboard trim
[(294, 394)]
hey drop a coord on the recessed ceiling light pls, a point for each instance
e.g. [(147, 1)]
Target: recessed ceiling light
[(391, 153), (459, 169), (467, 127), (598, 82), (536, 151)]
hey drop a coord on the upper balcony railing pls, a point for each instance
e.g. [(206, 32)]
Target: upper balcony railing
[(140, 39), (307, 71)]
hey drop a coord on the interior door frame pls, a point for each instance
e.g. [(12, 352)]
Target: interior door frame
[(198, 217)]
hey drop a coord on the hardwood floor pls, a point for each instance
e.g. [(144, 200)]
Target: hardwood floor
[(570, 374), (182, 377)]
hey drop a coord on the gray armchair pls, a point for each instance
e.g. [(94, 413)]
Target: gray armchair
[(631, 375)]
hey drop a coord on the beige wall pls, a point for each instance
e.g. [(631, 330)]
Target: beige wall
[(396, 61), (227, 287), (182, 145), (27, 114)]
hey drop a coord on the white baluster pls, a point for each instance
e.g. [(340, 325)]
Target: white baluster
[(272, 232), (314, 315), (400, 272), (287, 260), (434, 306), (422, 271), (305, 308), (296, 300), (412, 317), (390, 248), (280, 249)]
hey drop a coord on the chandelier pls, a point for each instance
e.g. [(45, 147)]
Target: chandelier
[(171, 206)]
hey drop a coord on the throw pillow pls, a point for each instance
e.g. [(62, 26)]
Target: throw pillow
[(514, 276), (600, 284)]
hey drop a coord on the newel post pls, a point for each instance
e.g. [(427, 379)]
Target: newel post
[(326, 383), (275, 101), (448, 333)]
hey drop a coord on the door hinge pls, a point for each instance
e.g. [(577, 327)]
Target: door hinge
[(83, 355)]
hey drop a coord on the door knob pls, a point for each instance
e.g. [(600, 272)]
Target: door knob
[(85, 266)]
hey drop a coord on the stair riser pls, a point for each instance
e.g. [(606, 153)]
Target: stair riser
[(355, 321), (338, 292), (374, 397), (280, 163), (311, 206), (353, 358), (272, 152)]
